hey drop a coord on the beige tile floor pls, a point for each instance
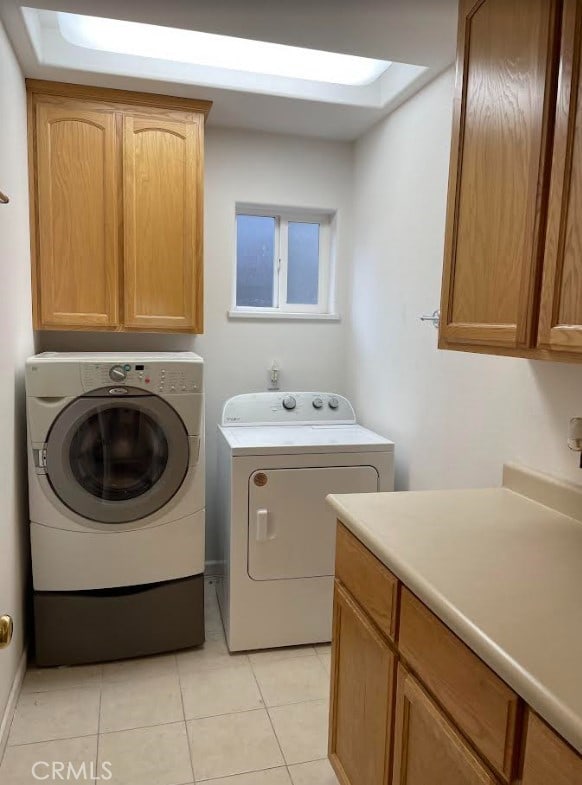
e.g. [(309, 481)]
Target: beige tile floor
[(202, 715)]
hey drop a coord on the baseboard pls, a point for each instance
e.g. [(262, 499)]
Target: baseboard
[(12, 701)]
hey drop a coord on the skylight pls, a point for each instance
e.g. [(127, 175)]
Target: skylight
[(218, 51)]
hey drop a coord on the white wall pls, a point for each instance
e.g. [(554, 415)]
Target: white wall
[(15, 345), (455, 417), (261, 168)]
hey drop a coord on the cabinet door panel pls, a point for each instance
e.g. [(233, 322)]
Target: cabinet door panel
[(427, 749), (362, 691), (77, 209), (163, 224), (548, 759), (497, 172), (482, 706), (561, 303)]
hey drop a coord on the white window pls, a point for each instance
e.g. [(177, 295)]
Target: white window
[(283, 263)]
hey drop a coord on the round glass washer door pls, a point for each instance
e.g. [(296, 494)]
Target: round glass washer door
[(117, 459)]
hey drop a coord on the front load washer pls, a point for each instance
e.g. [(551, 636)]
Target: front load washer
[(279, 455), (116, 479)]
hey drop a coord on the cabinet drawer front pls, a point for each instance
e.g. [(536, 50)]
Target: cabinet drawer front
[(427, 748), (482, 705), (363, 675), (369, 581), (548, 759)]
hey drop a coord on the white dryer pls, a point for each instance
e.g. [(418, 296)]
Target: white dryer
[(116, 494), (279, 456)]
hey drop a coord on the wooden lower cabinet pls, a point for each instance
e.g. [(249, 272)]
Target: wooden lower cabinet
[(363, 674), (427, 748), (411, 704)]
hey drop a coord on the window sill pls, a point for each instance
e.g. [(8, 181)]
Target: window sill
[(284, 316)]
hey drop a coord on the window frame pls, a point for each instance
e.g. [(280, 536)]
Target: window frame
[(281, 308)]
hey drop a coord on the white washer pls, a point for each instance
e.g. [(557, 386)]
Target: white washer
[(116, 494), (279, 455)]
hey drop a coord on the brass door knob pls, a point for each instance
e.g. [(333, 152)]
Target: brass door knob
[(6, 630)]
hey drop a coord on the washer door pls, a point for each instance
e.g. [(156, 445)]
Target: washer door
[(115, 460)]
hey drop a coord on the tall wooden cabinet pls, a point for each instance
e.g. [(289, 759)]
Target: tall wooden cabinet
[(497, 169), (512, 279), (116, 209)]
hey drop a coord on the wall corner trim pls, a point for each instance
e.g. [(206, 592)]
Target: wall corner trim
[(6, 721)]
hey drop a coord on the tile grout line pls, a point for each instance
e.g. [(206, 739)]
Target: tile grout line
[(174, 722), (50, 741), (283, 758), (186, 721), (99, 721), (296, 703)]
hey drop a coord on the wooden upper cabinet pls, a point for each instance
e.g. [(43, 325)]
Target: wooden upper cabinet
[(116, 209), (162, 187), (77, 213), (560, 325), (428, 750), (494, 236)]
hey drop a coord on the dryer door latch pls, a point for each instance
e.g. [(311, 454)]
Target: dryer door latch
[(262, 525), (39, 457)]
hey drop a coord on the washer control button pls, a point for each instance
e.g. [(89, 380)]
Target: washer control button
[(289, 402), (317, 403), (333, 403), (117, 373)]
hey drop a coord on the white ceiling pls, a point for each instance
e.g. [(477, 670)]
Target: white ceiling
[(419, 32)]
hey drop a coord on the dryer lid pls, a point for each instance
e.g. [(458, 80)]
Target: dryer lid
[(300, 439)]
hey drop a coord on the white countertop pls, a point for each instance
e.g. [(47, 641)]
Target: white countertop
[(502, 569)]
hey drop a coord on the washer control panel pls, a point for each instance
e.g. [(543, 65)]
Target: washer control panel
[(172, 378), (288, 408)]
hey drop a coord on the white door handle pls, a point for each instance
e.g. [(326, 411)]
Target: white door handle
[(262, 525)]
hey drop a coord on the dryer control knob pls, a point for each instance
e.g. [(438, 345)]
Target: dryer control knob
[(317, 403), (333, 403), (117, 373), (289, 402)]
